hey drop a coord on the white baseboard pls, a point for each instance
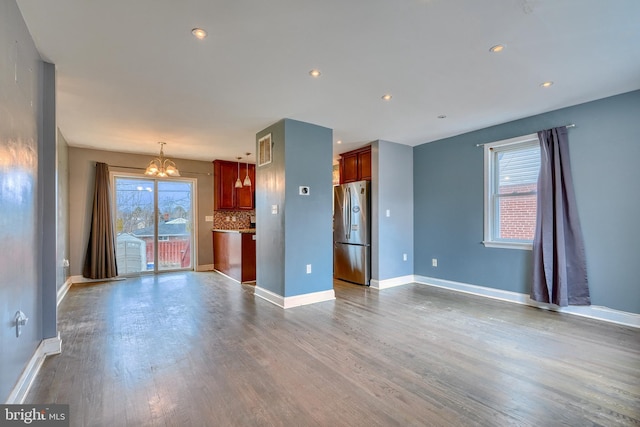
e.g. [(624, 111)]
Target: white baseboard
[(390, 283), (47, 347), (62, 292), (205, 267), (591, 311), (473, 289), (82, 279), (296, 300)]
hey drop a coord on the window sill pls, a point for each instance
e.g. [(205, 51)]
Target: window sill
[(508, 245)]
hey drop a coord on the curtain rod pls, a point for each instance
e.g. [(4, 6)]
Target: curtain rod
[(141, 169), (572, 125)]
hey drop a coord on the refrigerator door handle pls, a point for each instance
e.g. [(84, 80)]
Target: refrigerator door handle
[(344, 219), (348, 213)]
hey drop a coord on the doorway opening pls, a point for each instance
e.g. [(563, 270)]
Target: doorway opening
[(154, 224)]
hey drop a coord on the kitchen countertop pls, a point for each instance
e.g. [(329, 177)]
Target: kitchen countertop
[(241, 230)]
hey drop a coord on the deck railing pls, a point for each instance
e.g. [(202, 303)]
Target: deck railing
[(171, 253)]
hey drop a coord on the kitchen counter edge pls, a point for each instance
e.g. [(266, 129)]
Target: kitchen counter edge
[(241, 230)]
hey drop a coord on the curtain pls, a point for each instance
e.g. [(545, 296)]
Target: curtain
[(559, 264), (100, 259)]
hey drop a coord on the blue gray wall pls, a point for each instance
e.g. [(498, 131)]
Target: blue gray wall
[(605, 155), (62, 208), (301, 232), (392, 190), (22, 83)]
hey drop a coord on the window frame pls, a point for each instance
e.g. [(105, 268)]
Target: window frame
[(490, 187)]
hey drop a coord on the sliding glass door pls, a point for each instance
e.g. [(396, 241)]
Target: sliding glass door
[(175, 221), (154, 224)]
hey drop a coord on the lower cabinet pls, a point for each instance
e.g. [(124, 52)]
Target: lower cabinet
[(234, 254)]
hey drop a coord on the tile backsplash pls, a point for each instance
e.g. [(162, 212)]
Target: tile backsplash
[(223, 220)]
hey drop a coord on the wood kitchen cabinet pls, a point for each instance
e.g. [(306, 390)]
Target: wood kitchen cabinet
[(226, 196), (245, 196), (234, 254), (355, 165)]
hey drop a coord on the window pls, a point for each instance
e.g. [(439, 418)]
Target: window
[(511, 170)]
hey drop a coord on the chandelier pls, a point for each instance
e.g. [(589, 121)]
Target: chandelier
[(162, 167)]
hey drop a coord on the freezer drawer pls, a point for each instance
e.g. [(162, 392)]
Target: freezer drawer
[(352, 263)]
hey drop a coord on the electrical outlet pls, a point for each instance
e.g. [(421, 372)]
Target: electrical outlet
[(388, 213), (404, 257), (208, 218), (233, 219), (308, 268), (434, 262)]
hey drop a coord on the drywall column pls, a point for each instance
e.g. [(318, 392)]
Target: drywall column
[(294, 232), (48, 196), (391, 214), (62, 208)]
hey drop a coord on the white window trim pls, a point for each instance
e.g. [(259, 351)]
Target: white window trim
[(489, 182)]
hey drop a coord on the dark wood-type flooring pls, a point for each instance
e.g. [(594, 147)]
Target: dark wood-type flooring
[(196, 349)]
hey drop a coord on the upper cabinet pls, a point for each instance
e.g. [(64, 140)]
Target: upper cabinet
[(245, 196), (225, 194), (355, 165)]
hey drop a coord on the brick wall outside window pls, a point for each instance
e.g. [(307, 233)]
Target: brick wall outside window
[(517, 214)]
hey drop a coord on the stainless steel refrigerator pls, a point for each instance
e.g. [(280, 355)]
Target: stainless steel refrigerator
[(352, 232)]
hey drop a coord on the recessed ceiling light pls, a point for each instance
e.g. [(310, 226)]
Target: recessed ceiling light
[(199, 33), (442, 116), (315, 73), (497, 48), (546, 84), (339, 141), (386, 97)]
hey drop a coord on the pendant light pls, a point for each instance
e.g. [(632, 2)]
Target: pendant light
[(247, 180), (238, 182)]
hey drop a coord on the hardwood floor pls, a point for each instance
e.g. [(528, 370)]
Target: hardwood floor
[(196, 349)]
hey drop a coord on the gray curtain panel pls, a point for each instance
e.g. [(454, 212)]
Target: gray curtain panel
[(559, 264), (100, 259)]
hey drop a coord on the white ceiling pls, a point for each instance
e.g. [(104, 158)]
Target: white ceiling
[(130, 73)]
